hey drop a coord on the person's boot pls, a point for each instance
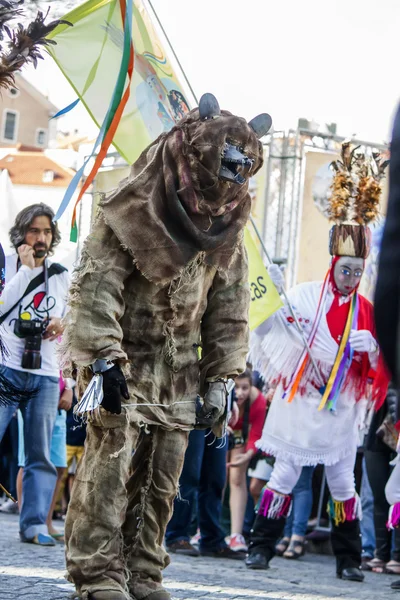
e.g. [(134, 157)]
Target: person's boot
[(264, 536), (346, 545), (268, 528)]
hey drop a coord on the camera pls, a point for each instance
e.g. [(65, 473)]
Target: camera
[(235, 440), (32, 332)]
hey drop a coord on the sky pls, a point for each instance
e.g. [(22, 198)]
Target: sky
[(324, 60)]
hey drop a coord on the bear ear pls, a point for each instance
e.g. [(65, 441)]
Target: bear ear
[(261, 124), (208, 107)]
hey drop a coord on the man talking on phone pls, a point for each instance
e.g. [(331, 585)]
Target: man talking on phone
[(32, 304)]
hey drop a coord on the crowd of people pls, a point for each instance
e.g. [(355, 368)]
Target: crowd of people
[(218, 476)]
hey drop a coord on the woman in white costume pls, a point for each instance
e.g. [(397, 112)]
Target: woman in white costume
[(316, 412)]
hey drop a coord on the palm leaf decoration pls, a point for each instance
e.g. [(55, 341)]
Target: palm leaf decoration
[(21, 44)]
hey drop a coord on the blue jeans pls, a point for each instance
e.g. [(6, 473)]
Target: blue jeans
[(296, 523), (204, 475), (367, 522), (40, 475)]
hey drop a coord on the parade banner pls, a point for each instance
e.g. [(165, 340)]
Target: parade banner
[(265, 299), (89, 55)]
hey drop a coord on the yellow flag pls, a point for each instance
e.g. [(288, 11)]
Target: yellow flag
[(265, 299)]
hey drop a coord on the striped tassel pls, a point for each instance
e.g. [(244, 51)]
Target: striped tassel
[(274, 505), (394, 516), (349, 510)]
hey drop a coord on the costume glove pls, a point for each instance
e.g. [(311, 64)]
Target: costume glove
[(363, 341), (277, 277), (114, 385), (214, 404)]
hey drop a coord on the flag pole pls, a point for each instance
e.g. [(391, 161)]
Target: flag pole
[(290, 307), (173, 51)]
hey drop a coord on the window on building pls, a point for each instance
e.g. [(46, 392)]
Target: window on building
[(10, 126), (41, 137), (48, 176)]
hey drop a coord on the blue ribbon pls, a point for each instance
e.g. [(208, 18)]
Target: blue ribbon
[(66, 110)]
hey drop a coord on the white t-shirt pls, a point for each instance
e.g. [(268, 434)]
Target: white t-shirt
[(36, 305)]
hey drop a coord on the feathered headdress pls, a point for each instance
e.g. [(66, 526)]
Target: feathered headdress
[(354, 202), (21, 45)]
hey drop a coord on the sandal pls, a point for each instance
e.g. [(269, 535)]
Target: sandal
[(282, 546), (58, 537), (296, 549), (393, 568), (376, 565)]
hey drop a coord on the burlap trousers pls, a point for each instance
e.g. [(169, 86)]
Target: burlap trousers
[(120, 506)]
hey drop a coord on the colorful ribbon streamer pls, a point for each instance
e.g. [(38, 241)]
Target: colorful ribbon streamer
[(298, 373), (110, 123), (338, 372), (330, 393), (65, 110)]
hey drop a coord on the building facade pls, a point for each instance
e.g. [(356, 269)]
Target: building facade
[(24, 117)]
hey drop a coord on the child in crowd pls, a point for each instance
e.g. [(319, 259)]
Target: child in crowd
[(248, 429), (76, 435)]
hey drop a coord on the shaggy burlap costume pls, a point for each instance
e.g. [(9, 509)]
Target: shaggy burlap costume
[(163, 272)]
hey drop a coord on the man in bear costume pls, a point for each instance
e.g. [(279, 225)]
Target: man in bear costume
[(163, 273)]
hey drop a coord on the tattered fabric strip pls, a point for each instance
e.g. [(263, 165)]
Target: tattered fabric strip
[(274, 505), (342, 511), (394, 516)]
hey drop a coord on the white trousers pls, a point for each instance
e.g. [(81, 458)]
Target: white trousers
[(340, 477), (393, 486)]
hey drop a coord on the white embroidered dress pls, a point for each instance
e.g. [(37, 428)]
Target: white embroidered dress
[(298, 431)]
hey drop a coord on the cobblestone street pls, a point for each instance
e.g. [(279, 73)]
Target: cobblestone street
[(34, 573)]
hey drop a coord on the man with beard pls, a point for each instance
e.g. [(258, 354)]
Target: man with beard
[(32, 304), (163, 272)]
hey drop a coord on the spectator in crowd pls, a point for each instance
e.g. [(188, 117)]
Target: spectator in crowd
[(76, 435), (9, 462), (33, 304), (387, 301), (203, 476), (58, 454), (367, 524), (380, 451), (261, 465), (387, 294), (252, 409)]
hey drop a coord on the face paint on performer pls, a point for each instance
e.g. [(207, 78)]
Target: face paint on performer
[(347, 273)]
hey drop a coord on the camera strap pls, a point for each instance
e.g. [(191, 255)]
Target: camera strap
[(44, 276)]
